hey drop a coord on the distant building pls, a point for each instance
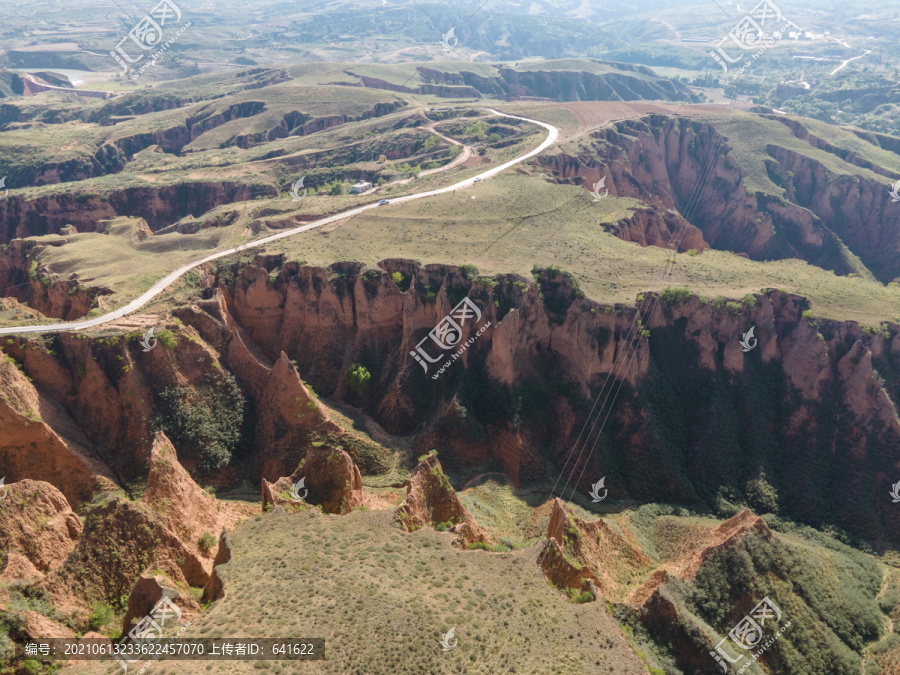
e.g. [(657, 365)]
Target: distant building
[(361, 186), (382, 159)]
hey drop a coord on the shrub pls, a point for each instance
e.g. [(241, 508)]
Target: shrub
[(890, 598), (167, 339), (397, 277), (358, 378), (674, 294), (100, 616), (428, 454), (206, 542), (468, 271), (478, 129), (889, 643), (761, 495), (587, 596), (734, 307), (692, 252)]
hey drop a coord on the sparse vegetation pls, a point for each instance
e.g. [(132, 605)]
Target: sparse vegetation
[(672, 295), (468, 271), (206, 542)]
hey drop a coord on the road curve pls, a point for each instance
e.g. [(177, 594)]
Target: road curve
[(166, 281)]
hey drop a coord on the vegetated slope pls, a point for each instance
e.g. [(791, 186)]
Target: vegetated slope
[(765, 186), (682, 614), (382, 598), (807, 414), (680, 583)]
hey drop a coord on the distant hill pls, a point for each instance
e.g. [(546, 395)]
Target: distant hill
[(558, 80), (10, 84)]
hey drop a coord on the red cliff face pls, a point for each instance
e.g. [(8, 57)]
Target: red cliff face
[(693, 351), (580, 550), (431, 500), (185, 508), (42, 442), (38, 524), (159, 206), (23, 278), (662, 160), (694, 418)]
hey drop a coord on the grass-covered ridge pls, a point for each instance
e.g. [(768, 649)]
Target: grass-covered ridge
[(309, 575)]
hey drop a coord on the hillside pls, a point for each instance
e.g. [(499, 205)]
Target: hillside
[(472, 339)]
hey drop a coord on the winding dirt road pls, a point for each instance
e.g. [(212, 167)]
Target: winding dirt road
[(166, 281)]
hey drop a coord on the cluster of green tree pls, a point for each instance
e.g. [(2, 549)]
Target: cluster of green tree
[(884, 119), (478, 130), (407, 168), (334, 187), (743, 87), (206, 423), (668, 56), (705, 80)]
